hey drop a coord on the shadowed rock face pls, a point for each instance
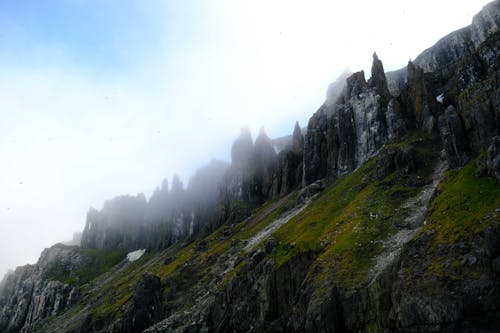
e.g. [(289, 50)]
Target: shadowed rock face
[(493, 161), (340, 137), (479, 108), (146, 305), (253, 165), (453, 136), (288, 174), (264, 167), (378, 80), (28, 295), (395, 122), (419, 100)]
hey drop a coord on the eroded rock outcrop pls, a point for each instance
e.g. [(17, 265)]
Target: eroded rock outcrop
[(30, 294), (146, 307), (479, 107), (493, 159), (341, 136), (453, 136), (420, 101), (263, 167), (395, 121), (289, 170)]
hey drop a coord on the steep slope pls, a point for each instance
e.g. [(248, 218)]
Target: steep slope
[(383, 216), (320, 270)]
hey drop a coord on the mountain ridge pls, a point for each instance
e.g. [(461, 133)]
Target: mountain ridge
[(292, 241)]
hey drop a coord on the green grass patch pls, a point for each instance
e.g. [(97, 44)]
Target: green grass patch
[(347, 222), (94, 263), (465, 205), (344, 224), (116, 292), (198, 255)]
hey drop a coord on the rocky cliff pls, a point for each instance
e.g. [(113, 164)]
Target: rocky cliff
[(34, 292), (132, 222), (384, 216)]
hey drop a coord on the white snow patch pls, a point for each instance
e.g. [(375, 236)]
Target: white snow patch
[(133, 256), (440, 98)]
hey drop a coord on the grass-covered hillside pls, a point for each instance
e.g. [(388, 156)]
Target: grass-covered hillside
[(351, 234)]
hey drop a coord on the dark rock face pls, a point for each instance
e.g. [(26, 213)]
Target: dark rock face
[(453, 136), (263, 168), (236, 187), (356, 84), (395, 301), (340, 137), (396, 126), (419, 100), (288, 174), (493, 160), (264, 298), (401, 159), (315, 149), (146, 305), (297, 139), (28, 295), (479, 107), (460, 71), (378, 80), (203, 197), (250, 180), (273, 292)]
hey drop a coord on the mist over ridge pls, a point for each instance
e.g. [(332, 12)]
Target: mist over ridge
[(75, 78), (379, 213)]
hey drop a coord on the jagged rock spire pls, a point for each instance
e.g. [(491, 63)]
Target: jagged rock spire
[(420, 102), (263, 149), (336, 88), (453, 137), (356, 84), (378, 79), (262, 135), (297, 139), (242, 149)]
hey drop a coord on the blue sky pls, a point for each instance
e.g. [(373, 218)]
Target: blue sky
[(101, 98), (98, 36)]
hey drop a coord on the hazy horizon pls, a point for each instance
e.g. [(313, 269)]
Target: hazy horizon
[(100, 99)]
